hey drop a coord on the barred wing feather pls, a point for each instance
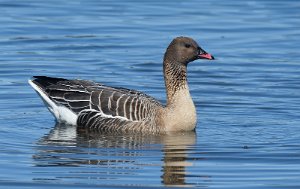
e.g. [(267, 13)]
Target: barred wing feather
[(80, 96)]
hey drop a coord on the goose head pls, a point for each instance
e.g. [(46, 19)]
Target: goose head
[(184, 50)]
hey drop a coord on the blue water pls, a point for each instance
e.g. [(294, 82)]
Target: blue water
[(247, 100)]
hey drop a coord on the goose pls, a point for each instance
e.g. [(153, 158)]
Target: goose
[(98, 107)]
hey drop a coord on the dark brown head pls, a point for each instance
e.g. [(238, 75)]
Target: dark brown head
[(184, 50)]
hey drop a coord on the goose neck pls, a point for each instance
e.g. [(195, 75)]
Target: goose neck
[(175, 74)]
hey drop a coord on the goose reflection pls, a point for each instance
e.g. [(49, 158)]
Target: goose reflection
[(66, 146)]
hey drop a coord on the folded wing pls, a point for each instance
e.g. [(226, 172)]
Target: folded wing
[(84, 96)]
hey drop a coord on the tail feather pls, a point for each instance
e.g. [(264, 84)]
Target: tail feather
[(60, 112)]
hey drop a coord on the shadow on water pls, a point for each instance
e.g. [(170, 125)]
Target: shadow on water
[(126, 155)]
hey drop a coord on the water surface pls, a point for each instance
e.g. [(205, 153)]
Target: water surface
[(247, 100)]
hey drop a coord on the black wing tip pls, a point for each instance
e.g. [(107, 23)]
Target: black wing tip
[(45, 81), (47, 78), (38, 77)]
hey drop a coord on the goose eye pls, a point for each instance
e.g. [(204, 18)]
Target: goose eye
[(187, 45)]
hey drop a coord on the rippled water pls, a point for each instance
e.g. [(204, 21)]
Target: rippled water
[(247, 100)]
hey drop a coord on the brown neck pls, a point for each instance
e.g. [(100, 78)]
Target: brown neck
[(175, 78)]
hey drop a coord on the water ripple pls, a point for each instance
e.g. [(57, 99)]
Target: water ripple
[(247, 99)]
